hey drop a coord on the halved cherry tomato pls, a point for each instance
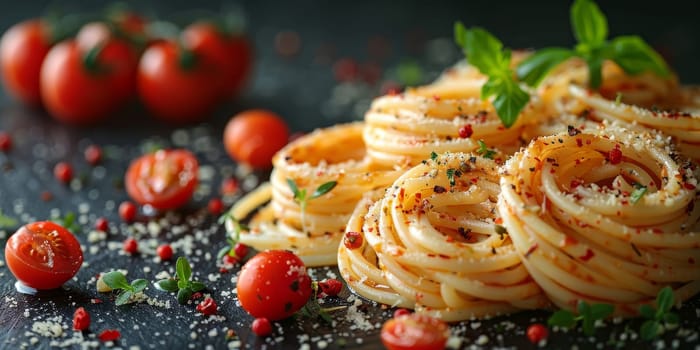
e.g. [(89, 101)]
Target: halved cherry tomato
[(84, 80), (176, 84), (43, 255), (414, 332), (273, 284), (254, 136), (22, 50), (164, 180), (232, 54)]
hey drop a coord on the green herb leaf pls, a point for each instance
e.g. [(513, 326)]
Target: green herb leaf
[(197, 286), (595, 71), (433, 156), (323, 189), (182, 283), (451, 176), (664, 301), (139, 285), (484, 151), (123, 297), (534, 68), (638, 193), (116, 280), (588, 23), (635, 56), (601, 311), (650, 330), (509, 102), (184, 271), (183, 295), (7, 221), (168, 285), (671, 318), (647, 312), (294, 188), (562, 318)]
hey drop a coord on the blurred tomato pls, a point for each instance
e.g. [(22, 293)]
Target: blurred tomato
[(254, 136), (176, 84), (230, 53), (22, 51), (83, 80)]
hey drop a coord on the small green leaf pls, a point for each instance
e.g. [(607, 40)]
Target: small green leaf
[(672, 318), (460, 34), (650, 329), (168, 285), (7, 221), (325, 316), (139, 285), (123, 297), (293, 186), (183, 295), (182, 283), (184, 271), (116, 280), (647, 311), (433, 155), (451, 176), (534, 68), (508, 104), (223, 251), (562, 318), (484, 150), (588, 23), (493, 86), (323, 189), (637, 194), (601, 311), (197, 286), (635, 56), (664, 301), (484, 51), (595, 71)]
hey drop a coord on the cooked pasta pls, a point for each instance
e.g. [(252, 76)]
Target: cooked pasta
[(608, 216), (332, 154), (431, 242)]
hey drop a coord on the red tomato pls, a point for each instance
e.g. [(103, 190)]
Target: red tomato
[(165, 251), (22, 50), (261, 327), (254, 136), (127, 211), (232, 54), (63, 172), (164, 180), (43, 255), (84, 80), (273, 284), (176, 85), (414, 332), (130, 246), (537, 332)]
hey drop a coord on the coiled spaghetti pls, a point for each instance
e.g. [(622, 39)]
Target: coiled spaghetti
[(332, 154), (432, 242), (607, 217)]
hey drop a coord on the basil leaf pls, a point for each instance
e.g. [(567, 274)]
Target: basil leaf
[(588, 23), (183, 295), (139, 285), (197, 286), (650, 330), (671, 318), (509, 104), (664, 301), (293, 187), (635, 56), (647, 311), (562, 318), (184, 271), (123, 298), (116, 280), (323, 189), (534, 68), (483, 51), (168, 285), (493, 86), (595, 71), (601, 311)]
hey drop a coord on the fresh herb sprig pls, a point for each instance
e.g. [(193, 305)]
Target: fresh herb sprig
[(588, 314), (7, 221), (484, 151), (312, 309), (638, 193), (183, 284), (117, 281), (590, 29), (659, 318), (485, 52), (301, 196), (68, 222), (238, 227)]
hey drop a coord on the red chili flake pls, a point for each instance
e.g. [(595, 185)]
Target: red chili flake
[(331, 287), (352, 240), (346, 69), (165, 251), (101, 224), (127, 211), (46, 196), (466, 131), (63, 172), (568, 241), (615, 155), (207, 306), (131, 246), (229, 187), (109, 335), (196, 296), (241, 250), (531, 250), (261, 327), (81, 319), (589, 254), (5, 142), (436, 97), (537, 332), (576, 183), (215, 206), (93, 154), (96, 301), (230, 259), (689, 186)]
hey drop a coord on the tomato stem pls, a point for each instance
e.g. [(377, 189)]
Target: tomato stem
[(91, 59), (187, 59)]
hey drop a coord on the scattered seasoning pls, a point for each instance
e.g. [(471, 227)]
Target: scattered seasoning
[(636, 250), (466, 131), (215, 206), (93, 155), (531, 250), (101, 224), (451, 176), (5, 142), (130, 245), (207, 306), (63, 172), (229, 187), (352, 240), (261, 327), (330, 287), (659, 319), (615, 155), (433, 156), (127, 211), (165, 252), (537, 332), (81, 319), (484, 151), (109, 335)]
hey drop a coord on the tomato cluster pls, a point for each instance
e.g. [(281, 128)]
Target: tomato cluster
[(88, 76)]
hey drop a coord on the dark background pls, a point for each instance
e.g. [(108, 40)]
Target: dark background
[(304, 90)]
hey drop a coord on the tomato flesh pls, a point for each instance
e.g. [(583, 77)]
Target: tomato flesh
[(164, 180), (253, 137), (273, 284), (414, 332), (43, 255)]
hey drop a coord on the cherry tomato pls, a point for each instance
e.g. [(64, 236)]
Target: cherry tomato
[(273, 284), (63, 172), (164, 180), (101, 224), (5, 142), (131, 246), (352, 240), (231, 54), (93, 154), (84, 80), (165, 251), (537, 332), (261, 327), (43, 255), (176, 84), (414, 332), (254, 136), (81, 319), (241, 250), (127, 211), (215, 206), (23, 48), (401, 311), (331, 287)]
